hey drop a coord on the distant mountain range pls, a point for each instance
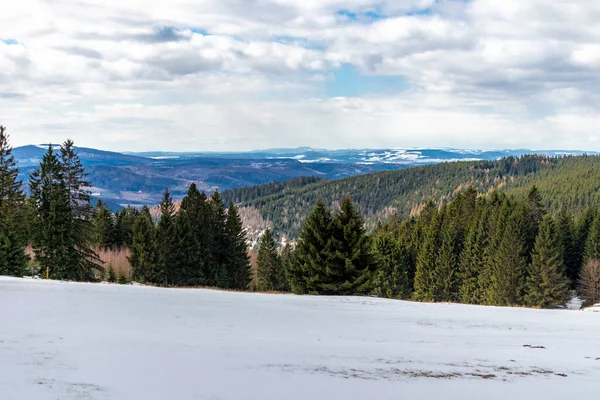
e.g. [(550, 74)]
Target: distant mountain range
[(139, 178)]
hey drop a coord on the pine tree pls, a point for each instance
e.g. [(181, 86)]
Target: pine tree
[(200, 250), (185, 270), (62, 217), (391, 278), (165, 235), (592, 245), (535, 214), (288, 259), (510, 263), (12, 212), (472, 259), (567, 235), (217, 270), (237, 262), (546, 284), (500, 208), (51, 218), (103, 225), (351, 262), (312, 258), (584, 226), (124, 222), (144, 249), (426, 261), (445, 274), (270, 273)]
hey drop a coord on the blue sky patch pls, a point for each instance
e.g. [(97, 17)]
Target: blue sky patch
[(200, 31), (348, 82), (9, 41), (362, 16)]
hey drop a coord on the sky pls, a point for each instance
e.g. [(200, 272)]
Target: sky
[(198, 75)]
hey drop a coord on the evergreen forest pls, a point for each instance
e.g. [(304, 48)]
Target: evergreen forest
[(516, 232)]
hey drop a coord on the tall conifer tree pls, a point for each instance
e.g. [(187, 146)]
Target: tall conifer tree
[(546, 284), (167, 241), (144, 248), (12, 212), (350, 256), (312, 252), (237, 261), (270, 272)]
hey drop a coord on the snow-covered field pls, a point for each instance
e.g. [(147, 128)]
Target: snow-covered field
[(83, 341)]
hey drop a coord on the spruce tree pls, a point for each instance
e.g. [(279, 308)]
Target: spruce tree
[(592, 245), (165, 235), (124, 222), (472, 259), (426, 260), (217, 270), (185, 270), (51, 219), (566, 232), (144, 249), (391, 278), (500, 208), (546, 284), (288, 260), (445, 274), (103, 226), (584, 226), (510, 262), (12, 212), (350, 256), (61, 217), (270, 272), (312, 257), (237, 262), (201, 250)]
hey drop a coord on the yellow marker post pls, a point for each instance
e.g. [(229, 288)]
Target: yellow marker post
[(47, 272)]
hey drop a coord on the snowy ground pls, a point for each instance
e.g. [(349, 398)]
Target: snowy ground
[(81, 341)]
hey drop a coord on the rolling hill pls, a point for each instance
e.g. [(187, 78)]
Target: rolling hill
[(570, 181), (140, 178)]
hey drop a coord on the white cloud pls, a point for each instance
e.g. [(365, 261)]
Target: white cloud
[(239, 74)]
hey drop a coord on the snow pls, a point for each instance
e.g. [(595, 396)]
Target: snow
[(94, 341)]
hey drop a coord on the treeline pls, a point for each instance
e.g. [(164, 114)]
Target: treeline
[(564, 182), (55, 219), (492, 250), (474, 247), (202, 243), (275, 189)]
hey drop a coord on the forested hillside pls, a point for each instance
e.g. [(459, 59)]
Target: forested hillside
[(564, 182)]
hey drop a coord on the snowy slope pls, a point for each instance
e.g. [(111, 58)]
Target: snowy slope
[(83, 341)]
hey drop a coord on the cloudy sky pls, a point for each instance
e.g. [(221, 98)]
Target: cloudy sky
[(247, 74)]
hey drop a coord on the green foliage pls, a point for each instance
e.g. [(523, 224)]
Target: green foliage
[(144, 250), (350, 257), (547, 285), (565, 182), (165, 272), (312, 251), (60, 217), (392, 276), (270, 273), (103, 227), (237, 263), (13, 235), (334, 255)]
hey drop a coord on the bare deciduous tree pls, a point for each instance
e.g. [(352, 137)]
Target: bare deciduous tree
[(589, 282)]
